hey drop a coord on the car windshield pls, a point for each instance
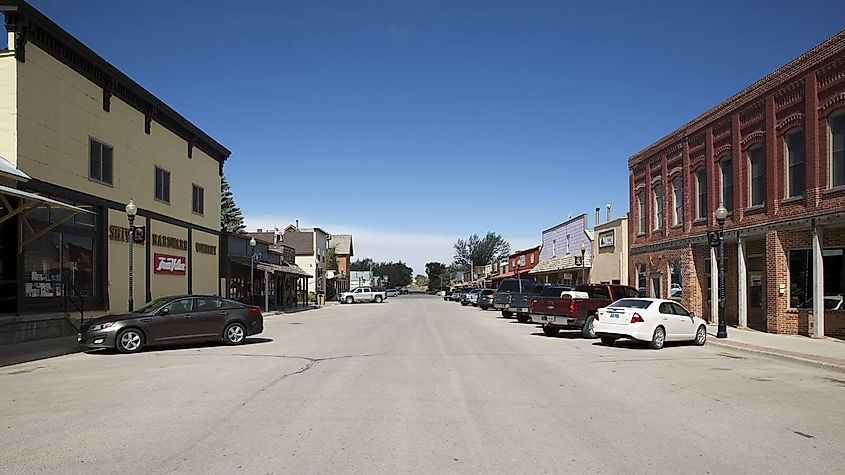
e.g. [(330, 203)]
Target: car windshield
[(152, 305), (631, 303)]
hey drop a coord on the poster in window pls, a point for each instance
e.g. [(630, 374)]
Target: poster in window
[(606, 239)]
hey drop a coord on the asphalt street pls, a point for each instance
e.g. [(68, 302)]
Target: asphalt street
[(419, 385)]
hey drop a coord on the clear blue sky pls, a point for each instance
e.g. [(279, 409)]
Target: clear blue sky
[(452, 117)]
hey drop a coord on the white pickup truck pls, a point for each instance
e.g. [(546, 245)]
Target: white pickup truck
[(362, 294)]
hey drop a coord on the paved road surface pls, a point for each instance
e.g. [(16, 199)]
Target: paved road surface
[(424, 386)]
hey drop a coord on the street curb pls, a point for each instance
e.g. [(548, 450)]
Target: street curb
[(776, 355)]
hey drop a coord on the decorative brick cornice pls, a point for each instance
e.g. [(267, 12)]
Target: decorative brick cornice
[(753, 137), (752, 112), (831, 72), (721, 150), (790, 121), (834, 47), (836, 99), (722, 129), (790, 93), (696, 140)]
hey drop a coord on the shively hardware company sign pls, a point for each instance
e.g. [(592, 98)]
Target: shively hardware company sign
[(169, 265)]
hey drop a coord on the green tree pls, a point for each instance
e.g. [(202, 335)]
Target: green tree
[(398, 274), (361, 265), (331, 261), (421, 282), (435, 272), (477, 251), (231, 218)]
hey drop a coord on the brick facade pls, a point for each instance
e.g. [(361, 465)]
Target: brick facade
[(800, 96)]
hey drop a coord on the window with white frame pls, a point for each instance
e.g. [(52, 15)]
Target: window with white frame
[(531, 258), (677, 201), (756, 176), (641, 279), (657, 192), (793, 156), (836, 162), (641, 213), (726, 191), (701, 193)]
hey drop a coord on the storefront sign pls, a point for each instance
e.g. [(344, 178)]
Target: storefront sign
[(169, 242), (118, 233), (606, 239), (206, 249), (170, 265)]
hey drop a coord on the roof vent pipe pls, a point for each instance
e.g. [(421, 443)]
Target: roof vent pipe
[(598, 215), (608, 211)]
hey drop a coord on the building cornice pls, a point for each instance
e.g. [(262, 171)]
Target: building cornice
[(784, 75), (32, 26)]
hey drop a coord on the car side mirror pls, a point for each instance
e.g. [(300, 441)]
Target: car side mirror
[(692, 314), (164, 311)]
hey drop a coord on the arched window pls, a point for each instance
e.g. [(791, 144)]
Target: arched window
[(657, 191), (701, 193), (836, 163), (793, 168), (726, 191), (677, 201), (756, 176), (640, 213)]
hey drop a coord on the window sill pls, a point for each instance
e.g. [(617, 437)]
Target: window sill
[(677, 226), (699, 221), (196, 214), (835, 189), (792, 199), (162, 201), (101, 182), (755, 208)]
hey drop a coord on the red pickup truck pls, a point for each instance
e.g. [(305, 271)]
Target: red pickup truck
[(575, 309)]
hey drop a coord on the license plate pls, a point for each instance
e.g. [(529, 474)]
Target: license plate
[(614, 315), (79, 337), (550, 318)]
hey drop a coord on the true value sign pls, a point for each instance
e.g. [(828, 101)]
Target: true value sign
[(170, 265)]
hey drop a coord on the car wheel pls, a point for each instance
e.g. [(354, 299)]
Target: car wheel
[(522, 318), (463, 304), (701, 336), (234, 334), (129, 341), (550, 330), (608, 340), (506, 314), (378, 299), (658, 339), (350, 300), (588, 330)]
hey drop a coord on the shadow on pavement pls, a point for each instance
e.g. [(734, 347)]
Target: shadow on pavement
[(185, 346), (573, 335)]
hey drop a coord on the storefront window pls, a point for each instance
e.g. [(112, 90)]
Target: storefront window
[(78, 263), (42, 266), (756, 266), (675, 289), (801, 276), (641, 280)]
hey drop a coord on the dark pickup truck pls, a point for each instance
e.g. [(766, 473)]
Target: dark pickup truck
[(513, 297), (575, 309)]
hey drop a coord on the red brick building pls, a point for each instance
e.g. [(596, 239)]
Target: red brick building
[(774, 154), (520, 262)]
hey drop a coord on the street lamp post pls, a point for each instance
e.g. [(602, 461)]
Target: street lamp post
[(252, 244), (131, 212), (721, 214), (583, 266)]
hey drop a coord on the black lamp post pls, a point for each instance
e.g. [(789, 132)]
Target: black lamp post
[(721, 214), (252, 244), (583, 265), (131, 211)]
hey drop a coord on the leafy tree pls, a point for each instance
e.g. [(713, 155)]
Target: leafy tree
[(231, 218), (437, 273), (361, 264), (477, 251), (421, 282), (331, 260), (398, 274)]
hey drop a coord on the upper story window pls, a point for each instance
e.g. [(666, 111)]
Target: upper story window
[(794, 169), (532, 258), (100, 162), (554, 247), (837, 148), (677, 202), (756, 176), (640, 213), (162, 184), (726, 192), (198, 199), (658, 207), (701, 193), (567, 243)]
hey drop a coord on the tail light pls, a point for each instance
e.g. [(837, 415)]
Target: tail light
[(596, 316), (573, 307), (254, 310), (637, 318), (533, 304)]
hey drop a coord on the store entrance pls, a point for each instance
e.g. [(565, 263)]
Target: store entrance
[(9, 267)]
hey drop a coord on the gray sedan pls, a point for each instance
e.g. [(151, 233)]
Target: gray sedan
[(173, 320)]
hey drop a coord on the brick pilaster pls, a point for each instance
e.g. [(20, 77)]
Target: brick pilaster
[(815, 179)]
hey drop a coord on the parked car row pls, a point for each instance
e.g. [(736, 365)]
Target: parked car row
[(608, 312)]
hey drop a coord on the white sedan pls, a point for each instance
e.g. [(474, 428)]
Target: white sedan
[(653, 320)]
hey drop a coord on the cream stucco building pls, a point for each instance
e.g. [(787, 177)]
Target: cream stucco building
[(610, 252), (91, 138)]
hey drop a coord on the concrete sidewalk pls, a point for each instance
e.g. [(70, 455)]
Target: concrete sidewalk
[(826, 353)]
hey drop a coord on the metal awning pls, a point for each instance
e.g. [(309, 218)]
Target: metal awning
[(28, 203), (8, 170), (285, 268)]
